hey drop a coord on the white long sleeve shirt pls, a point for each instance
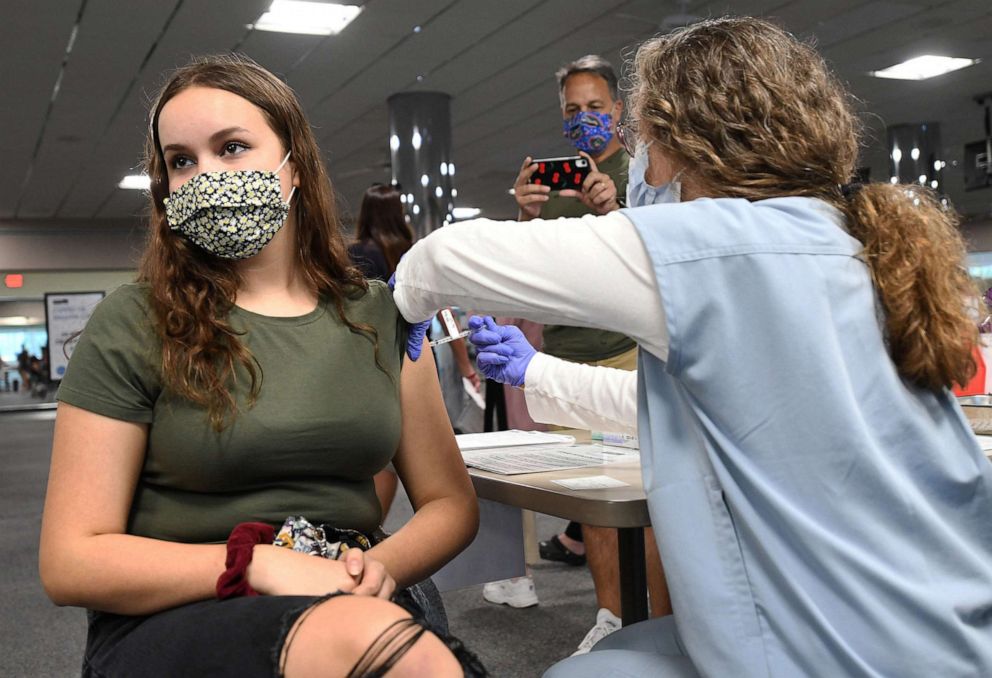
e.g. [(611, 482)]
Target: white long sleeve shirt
[(581, 396), (590, 271)]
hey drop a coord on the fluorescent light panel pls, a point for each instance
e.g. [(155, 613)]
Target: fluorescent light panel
[(307, 18), (923, 67), (465, 212), (137, 182), (19, 321)]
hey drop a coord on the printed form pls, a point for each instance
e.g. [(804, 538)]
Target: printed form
[(537, 458)]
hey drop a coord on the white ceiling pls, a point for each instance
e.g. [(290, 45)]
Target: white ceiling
[(76, 77)]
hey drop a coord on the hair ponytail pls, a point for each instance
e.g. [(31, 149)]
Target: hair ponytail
[(916, 256)]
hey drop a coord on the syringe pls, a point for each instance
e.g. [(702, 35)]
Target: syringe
[(445, 340)]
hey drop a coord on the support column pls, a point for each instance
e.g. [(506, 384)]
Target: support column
[(915, 155), (420, 151)]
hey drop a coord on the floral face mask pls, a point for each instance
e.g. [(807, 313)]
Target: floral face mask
[(232, 214)]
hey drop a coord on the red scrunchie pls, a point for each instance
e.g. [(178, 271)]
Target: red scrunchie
[(233, 582)]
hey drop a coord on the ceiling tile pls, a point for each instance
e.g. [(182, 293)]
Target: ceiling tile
[(33, 41), (497, 60)]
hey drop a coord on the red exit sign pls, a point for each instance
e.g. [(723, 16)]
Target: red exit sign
[(14, 280)]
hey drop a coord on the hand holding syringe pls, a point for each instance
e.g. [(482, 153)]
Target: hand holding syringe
[(455, 338)]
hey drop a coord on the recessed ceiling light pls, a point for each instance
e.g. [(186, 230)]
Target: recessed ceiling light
[(307, 18), (923, 67), (137, 182), (465, 212)]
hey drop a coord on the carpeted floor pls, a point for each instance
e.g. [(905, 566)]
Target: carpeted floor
[(40, 640)]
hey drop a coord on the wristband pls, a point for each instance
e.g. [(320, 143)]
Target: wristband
[(233, 582)]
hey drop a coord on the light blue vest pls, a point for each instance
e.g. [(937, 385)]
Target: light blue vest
[(816, 515)]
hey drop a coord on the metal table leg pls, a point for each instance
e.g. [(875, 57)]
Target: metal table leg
[(633, 575)]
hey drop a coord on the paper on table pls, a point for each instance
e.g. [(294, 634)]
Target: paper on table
[(591, 483), (478, 441), (615, 439), (537, 458), (985, 442), (473, 394)]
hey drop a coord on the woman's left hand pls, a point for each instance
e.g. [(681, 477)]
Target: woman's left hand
[(598, 193), (370, 575), (415, 339)]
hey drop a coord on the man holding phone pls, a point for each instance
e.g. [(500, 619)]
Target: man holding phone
[(591, 108)]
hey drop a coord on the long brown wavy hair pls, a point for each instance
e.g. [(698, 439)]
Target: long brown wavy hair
[(382, 221), (193, 291), (748, 111)]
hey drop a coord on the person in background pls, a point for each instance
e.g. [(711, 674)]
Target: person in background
[(382, 234), (251, 379), (382, 237), (591, 108), (24, 367), (819, 499)]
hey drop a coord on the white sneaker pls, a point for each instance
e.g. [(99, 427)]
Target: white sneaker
[(517, 592), (606, 623)]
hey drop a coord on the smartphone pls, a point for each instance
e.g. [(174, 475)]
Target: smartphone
[(559, 173)]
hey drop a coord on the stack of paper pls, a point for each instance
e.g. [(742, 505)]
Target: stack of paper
[(513, 438), (513, 452)]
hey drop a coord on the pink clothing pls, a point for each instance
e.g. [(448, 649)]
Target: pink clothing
[(516, 406)]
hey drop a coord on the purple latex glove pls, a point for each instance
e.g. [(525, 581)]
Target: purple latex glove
[(415, 339), (504, 352)]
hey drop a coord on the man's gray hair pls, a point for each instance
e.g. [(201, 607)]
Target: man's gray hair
[(590, 63)]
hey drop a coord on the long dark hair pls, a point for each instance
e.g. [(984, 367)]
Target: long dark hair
[(382, 221), (751, 112), (193, 291)]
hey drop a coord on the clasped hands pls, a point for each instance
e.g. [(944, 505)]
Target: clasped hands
[(279, 571)]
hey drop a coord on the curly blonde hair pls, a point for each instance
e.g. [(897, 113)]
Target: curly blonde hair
[(748, 111)]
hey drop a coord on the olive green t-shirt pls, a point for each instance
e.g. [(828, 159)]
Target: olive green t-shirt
[(583, 344), (326, 419)]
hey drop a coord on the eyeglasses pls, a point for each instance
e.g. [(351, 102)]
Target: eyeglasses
[(627, 134)]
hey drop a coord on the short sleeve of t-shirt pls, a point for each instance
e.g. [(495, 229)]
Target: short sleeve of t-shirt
[(113, 370), (376, 307)]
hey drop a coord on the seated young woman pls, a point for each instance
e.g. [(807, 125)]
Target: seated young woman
[(250, 375)]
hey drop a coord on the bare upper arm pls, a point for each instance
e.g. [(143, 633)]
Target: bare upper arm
[(427, 460), (95, 466)]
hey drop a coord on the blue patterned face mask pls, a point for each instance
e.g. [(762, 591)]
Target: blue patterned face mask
[(589, 131), (640, 192)]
